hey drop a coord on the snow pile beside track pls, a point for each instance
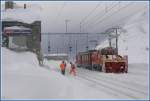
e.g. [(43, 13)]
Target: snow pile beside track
[(22, 78)]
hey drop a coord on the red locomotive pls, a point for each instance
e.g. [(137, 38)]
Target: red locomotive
[(106, 60)]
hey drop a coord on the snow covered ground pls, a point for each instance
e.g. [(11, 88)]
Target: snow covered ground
[(22, 78)]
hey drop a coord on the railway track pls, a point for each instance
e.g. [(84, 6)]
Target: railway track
[(109, 90), (123, 83), (116, 89)]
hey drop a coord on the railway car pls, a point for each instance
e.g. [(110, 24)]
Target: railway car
[(83, 59), (106, 60), (97, 61)]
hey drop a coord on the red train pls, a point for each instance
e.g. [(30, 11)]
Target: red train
[(106, 60)]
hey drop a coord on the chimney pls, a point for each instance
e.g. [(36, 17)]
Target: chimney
[(25, 6), (9, 5)]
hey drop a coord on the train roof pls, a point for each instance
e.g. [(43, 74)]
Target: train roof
[(89, 51), (103, 51)]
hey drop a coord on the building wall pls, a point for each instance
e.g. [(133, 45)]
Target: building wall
[(36, 36), (17, 42), (20, 40)]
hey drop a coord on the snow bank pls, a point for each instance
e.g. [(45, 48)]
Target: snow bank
[(22, 78), (134, 42)]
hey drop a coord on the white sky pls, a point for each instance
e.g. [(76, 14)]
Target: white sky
[(96, 14)]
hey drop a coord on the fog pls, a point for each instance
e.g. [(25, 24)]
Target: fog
[(82, 17)]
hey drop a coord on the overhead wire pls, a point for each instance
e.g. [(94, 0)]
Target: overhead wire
[(90, 13), (110, 15), (96, 17), (124, 18), (60, 11)]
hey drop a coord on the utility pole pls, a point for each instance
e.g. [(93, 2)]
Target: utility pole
[(69, 44), (87, 47), (109, 38), (49, 47), (76, 47), (66, 22), (117, 40)]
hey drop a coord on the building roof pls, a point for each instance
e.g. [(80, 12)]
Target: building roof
[(28, 15)]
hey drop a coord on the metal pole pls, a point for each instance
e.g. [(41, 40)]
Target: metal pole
[(109, 40), (49, 47), (66, 21), (76, 47), (69, 44), (66, 25), (117, 40), (49, 44), (87, 42)]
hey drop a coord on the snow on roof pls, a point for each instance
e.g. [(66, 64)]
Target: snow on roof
[(17, 28), (11, 19), (28, 15)]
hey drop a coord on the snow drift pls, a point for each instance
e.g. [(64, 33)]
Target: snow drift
[(134, 42), (22, 78)]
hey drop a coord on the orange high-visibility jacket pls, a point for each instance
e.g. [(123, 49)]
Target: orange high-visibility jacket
[(62, 66)]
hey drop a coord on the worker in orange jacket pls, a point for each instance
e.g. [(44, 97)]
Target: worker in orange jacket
[(73, 69), (63, 67)]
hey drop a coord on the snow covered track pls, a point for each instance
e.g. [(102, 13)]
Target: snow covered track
[(107, 89), (121, 85)]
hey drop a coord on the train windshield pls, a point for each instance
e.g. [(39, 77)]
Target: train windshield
[(109, 51)]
